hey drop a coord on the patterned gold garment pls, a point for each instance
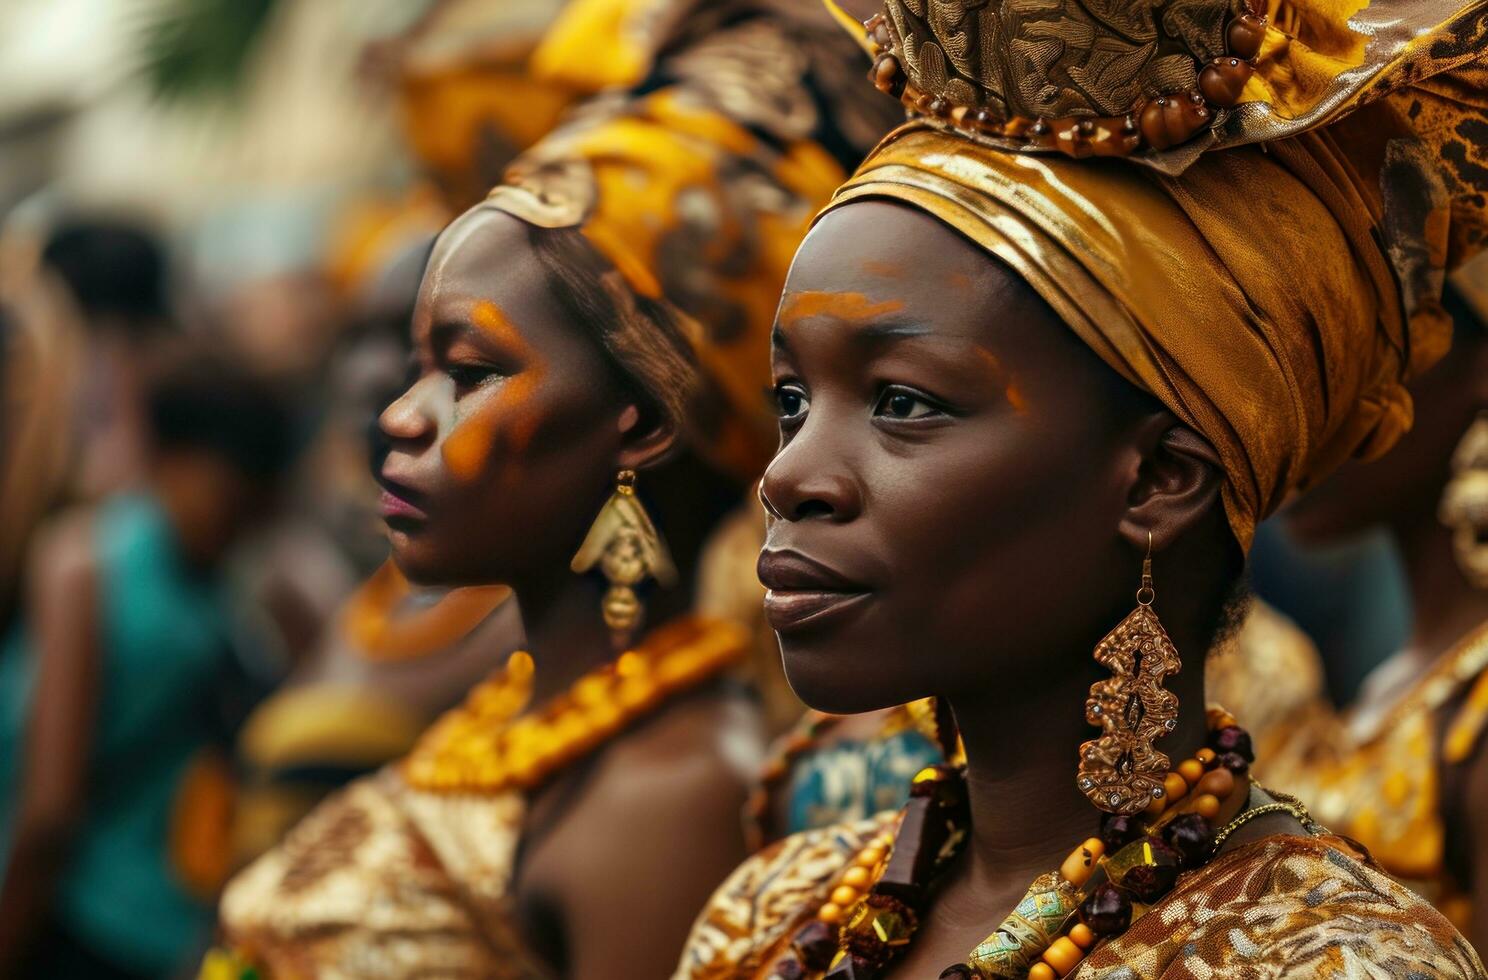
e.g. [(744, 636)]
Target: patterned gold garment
[(1281, 906), (1264, 674), (1380, 785), (400, 877)]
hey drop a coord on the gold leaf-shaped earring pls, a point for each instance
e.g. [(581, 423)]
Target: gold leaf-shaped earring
[(626, 547), (1464, 506), (1121, 771)]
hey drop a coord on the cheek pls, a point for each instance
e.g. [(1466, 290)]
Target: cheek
[(987, 531), (491, 433)]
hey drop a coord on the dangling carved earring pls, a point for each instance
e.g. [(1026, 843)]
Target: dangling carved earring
[(1121, 771), (624, 544), (1464, 506)]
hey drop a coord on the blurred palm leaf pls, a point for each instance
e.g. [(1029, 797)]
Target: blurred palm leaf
[(200, 48)]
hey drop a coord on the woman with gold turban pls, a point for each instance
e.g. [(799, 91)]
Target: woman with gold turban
[(608, 303), (1132, 275)]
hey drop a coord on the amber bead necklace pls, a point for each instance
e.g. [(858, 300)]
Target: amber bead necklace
[(1106, 883)]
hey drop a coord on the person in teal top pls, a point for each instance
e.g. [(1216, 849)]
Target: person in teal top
[(109, 686)]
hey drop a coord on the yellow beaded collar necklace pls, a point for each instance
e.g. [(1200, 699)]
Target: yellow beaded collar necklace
[(485, 747)]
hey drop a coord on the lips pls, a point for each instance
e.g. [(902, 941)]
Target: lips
[(804, 593), (400, 505)]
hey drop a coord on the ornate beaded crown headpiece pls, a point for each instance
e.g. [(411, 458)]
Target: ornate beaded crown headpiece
[(1085, 77)]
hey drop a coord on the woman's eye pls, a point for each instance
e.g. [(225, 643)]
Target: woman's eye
[(900, 403), (790, 402), (466, 376)]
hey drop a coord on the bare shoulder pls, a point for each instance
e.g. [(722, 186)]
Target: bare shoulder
[(64, 551), (691, 763)]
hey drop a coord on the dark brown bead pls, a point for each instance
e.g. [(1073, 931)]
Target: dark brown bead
[(982, 119), (1233, 738), (1115, 143), (1117, 830), (1189, 834), (816, 944), (957, 971), (1235, 763), (1244, 36), (940, 107), (1223, 80), (789, 968), (1072, 137), (1149, 882), (1040, 128), (1107, 911), (1171, 119)]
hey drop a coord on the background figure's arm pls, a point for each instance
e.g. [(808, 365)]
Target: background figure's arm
[(63, 614)]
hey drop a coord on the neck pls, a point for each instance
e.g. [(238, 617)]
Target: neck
[(1022, 748), (1445, 605), (566, 632), (183, 514)]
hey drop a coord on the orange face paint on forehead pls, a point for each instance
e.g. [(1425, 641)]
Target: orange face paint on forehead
[(847, 307), (885, 270), (492, 320), (1010, 389)]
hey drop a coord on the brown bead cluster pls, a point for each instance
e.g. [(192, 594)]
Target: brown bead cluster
[(1159, 123)]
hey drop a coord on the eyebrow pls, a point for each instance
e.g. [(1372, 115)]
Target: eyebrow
[(887, 329), (890, 329)]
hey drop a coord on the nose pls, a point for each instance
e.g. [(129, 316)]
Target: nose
[(408, 419), (809, 478)]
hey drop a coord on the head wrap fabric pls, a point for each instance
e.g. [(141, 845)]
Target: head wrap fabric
[(1274, 297), (698, 185), (1019, 74)]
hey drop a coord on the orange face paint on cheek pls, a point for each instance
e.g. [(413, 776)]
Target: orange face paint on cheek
[(849, 307), (510, 419), (469, 446)]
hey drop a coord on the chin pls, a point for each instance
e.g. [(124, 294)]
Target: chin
[(832, 681), (419, 563)]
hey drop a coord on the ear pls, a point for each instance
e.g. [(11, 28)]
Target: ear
[(1177, 483), (644, 443)]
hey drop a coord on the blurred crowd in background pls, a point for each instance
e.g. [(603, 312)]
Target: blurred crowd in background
[(214, 217)]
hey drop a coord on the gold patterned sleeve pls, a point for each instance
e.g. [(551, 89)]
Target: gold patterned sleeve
[(1287, 906), (380, 882), (755, 912)]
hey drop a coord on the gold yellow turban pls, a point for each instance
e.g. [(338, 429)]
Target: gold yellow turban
[(698, 190), (1274, 294)]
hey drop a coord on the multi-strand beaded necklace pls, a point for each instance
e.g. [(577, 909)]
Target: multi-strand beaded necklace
[(875, 907)]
